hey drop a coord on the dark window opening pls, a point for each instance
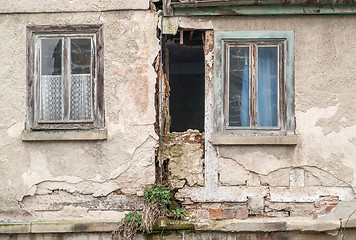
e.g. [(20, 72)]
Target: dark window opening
[(187, 81)]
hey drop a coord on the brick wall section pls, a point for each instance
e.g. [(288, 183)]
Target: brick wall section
[(215, 213), (225, 211), (324, 205), (217, 210)]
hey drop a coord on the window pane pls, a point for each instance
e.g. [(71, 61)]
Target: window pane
[(267, 87), (51, 98), (51, 56), (239, 63), (80, 50), (80, 97)]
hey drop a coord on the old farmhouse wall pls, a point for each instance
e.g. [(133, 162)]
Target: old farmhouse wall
[(74, 179), (99, 174)]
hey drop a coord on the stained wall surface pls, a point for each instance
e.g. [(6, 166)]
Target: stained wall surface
[(103, 179), (72, 179), (322, 163)]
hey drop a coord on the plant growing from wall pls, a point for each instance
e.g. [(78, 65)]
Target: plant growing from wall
[(157, 199), (178, 213), (157, 202), (157, 193), (129, 225)]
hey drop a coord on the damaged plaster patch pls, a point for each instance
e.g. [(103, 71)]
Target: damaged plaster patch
[(186, 159), (96, 189), (210, 59), (259, 162), (37, 170), (74, 205), (41, 182), (97, 186), (343, 210), (331, 152), (277, 178), (120, 170), (231, 173), (139, 156), (70, 213), (315, 176)]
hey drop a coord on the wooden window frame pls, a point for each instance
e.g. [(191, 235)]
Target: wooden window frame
[(34, 33), (286, 119)]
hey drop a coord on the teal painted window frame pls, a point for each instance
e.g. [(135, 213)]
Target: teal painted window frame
[(287, 38)]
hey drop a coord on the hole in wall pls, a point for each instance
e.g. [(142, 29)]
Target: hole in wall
[(187, 81)]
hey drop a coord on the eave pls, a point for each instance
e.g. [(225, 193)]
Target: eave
[(261, 7)]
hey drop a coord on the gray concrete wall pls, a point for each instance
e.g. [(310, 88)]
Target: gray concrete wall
[(75, 179)]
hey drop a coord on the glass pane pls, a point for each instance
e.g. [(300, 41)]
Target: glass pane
[(51, 56), (80, 97), (80, 50), (239, 86), (267, 87), (51, 98)]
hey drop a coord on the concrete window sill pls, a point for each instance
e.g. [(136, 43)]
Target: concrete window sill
[(64, 135), (254, 140)]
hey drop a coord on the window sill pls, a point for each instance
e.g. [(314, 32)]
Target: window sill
[(64, 135), (254, 140)]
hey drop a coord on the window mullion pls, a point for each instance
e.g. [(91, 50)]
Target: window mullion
[(37, 77), (66, 79), (253, 86)]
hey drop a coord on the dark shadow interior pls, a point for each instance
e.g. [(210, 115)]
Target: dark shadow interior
[(186, 79)]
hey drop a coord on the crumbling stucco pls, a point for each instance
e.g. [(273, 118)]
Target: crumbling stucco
[(296, 177), (293, 177), (48, 180), (38, 176), (231, 173), (185, 154)]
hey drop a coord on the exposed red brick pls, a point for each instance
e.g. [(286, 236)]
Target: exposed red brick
[(202, 213), (241, 213), (228, 213), (333, 203), (329, 208), (215, 213)]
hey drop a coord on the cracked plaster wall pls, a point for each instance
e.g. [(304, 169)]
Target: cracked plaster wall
[(324, 108), (43, 179)]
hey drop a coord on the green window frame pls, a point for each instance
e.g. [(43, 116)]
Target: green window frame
[(252, 43)]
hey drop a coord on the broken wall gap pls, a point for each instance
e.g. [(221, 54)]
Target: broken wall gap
[(184, 60)]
